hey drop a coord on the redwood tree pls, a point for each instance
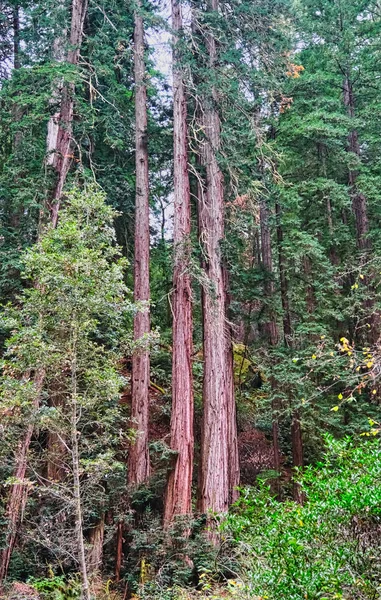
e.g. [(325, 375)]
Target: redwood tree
[(59, 138), (219, 472), (138, 463), (179, 488)]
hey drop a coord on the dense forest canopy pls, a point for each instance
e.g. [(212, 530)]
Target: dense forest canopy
[(190, 299)]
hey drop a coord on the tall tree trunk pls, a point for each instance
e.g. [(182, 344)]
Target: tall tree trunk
[(359, 202), (287, 329), (59, 138), (271, 326), (296, 430), (19, 490), (360, 211), (77, 488), (16, 37), (179, 489), (138, 463), (219, 452)]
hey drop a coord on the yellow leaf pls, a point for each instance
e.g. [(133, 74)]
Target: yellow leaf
[(313, 357), (374, 392), (361, 276), (369, 364), (335, 408), (340, 396)]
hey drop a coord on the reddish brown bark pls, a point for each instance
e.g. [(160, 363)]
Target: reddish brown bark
[(179, 489), (59, 139), (19, 491), (138, 461), (219, 454)]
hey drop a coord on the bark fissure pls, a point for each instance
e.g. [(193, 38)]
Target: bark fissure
[(179, 489), (138, 463)]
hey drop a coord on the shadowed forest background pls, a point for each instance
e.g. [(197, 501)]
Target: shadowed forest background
[(190, 290)]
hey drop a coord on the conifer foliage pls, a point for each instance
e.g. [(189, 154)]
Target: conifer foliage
[(190, 259)]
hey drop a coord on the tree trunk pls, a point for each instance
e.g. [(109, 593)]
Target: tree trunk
[(95, 554), (138, 463), (271, 326), (287, 330), (19, 491), (16, 37), (218, 472), (59, 136), (179, 489), (119, 550), (359, 202), (296, 430), (78, 505)]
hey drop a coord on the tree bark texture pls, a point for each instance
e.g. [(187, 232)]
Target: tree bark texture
[(59, 137), (219, 453), (95, 553), (19, 491), (138, 463), (179, 488)]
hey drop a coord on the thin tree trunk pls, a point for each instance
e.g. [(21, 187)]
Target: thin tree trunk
[(76, 481), (218, 472), (19, 491), (16, 37), (287, 330), (179, 489), (359, 202), (271, 326), (297, 452), (119, 550), (296, 430), (138, 463), (59, 138)]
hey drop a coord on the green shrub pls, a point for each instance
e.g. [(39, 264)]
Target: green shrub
[(329, 547)]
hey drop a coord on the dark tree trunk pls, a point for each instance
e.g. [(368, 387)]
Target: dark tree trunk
[(287, 330), (138, 461), (219, 453), (359, 202), (296, 430), (179, 489), (271, 326), (119, 550), (16, 37)]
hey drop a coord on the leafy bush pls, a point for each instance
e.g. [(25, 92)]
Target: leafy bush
[(329, 547), (57, 587)]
